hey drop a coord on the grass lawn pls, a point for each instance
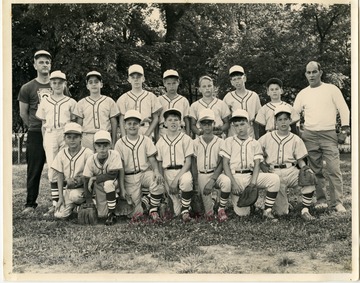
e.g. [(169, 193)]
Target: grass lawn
[(238, 246)]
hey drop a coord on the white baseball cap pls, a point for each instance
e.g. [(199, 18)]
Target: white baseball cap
[(132, 114), (57, 75), (240, 113), (93, 73), (206, 114), (102, 136), (174, 111), (42, 53), (72, 128), (236, 69), (282, 108), (136, 69), (170, 73)]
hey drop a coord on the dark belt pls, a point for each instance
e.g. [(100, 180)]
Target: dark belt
[(207, 172), (243, 171), (132, 173), (282, 166), (174, 167)]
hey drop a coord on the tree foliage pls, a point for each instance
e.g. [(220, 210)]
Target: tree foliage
[(266, 39)]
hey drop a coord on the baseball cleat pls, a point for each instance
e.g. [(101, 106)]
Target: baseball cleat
[(321, 206), (222, 215), (268, 214), (155, 217), (111, 219), (28, 210), (305, 214), (340, 208), (50, 212), (186, 217)]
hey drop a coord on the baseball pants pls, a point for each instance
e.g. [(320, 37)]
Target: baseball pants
[(35, 159), (100, 196), (267, 181), (323, 146), (223, 183), (185, 185), (53, 143), (134, 183), (72, 198), (288, 179)]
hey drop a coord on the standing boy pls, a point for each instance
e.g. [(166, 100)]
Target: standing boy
[(283, 151), (96, 112), (173, 100), (103, 171), (241, 160), (210, 167), (69, 164), (55, 111), (140, 166), (175, 150), (141, 100), (265, 117), (242, 98), (30, 96), (209, 101)]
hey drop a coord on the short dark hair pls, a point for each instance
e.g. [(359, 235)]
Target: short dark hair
[(238, 119), (274, 81), (236, 74), (173, 113), (278, 114)]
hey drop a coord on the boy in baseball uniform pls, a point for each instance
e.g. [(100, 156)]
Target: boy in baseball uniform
[(209, 101), (265, 117), (103, 171), (69, 164), (140, 166), (141, 100), (172, 99), (241, 160), (96, 111), (210, 167), (283, 151), (174, 152), (242, 98), (55, 111)]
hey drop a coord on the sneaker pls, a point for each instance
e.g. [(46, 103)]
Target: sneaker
[(222, 215), (50, 212), (340, 208), (268, 214), (155, 217), (111, 219), (305, 214), (186, 217), (321, 206), (28, 210)]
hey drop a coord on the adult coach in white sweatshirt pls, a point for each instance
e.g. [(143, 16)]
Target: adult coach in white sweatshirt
[(319, 103)]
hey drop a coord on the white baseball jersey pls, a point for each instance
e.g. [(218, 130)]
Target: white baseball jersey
[(221, 110), (280, 150), (55, 113), (242, 153), (174, 152), (93, 166), (250, 102), (147, 103), (207, 154), (96, 114), (179, 102), (71, 166), (135, 154), (266, 116)]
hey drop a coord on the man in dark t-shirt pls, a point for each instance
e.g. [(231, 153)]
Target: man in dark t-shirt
[(29, 98)]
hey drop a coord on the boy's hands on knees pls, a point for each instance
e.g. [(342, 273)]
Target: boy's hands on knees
[(209, 187), (158, 178), (91, 182), (60, 202), (174, 187), (265, 167), (235, 188)]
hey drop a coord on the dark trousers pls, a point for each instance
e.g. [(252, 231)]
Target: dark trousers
[(35, 158)]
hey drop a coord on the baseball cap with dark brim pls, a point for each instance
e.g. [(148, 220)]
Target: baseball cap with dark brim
[(95, 74), (57, 75), (274, 81), (282, 108), (73, 128), (239, 113), (236, 69), (136, 69), (132, 114), (172, 111), (170, 74), (42, 53), (102, 136)]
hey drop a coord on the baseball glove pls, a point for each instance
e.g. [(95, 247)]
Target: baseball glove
[(248, 197), (341, 137), (87, 214), (125, 206), (306, 177)]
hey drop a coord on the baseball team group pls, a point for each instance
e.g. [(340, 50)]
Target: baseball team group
[(168, 150)]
